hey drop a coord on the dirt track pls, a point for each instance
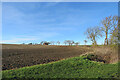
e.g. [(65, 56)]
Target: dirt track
[(16, 56)]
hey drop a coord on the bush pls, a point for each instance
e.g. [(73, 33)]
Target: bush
[(93, 57)]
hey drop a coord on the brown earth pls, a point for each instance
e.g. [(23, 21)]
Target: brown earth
[(17, 56)]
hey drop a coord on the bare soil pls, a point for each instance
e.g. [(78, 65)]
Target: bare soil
[(17, 56)]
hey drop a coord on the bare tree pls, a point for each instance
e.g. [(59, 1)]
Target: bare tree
[(106, 26), (23, 43), (52, 42), (85, 41), (70, 42), (93, 33), (35, 44), (114, 30), (65, 42), (77, 43), (58, 42), (42, 42)]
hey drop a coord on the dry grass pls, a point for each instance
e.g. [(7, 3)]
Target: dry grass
[(108, 53)]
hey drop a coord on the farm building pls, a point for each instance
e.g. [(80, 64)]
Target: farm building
[(46, 43)]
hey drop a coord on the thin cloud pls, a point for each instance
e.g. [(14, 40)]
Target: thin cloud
[(29, 38), (51, 4), (16, 40)]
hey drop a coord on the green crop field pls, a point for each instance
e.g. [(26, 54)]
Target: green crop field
[(76, 67)]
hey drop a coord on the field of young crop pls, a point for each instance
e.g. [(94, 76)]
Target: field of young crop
[(76, 67)]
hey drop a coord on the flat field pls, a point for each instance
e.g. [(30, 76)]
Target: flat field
[(17, 56)]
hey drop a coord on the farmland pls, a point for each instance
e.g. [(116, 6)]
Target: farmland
[(52, 61), (77, 67), (60, 40), (16, 56)]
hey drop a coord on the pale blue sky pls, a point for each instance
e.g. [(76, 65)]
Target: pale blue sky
[(41, 21)]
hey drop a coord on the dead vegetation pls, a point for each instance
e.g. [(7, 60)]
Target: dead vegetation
[(107, 53)]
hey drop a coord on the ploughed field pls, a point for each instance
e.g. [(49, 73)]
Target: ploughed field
[(17, 56)]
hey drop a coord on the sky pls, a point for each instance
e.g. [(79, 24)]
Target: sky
[(25, 22)]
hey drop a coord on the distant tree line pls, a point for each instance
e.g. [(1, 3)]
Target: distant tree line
[(66, 42)]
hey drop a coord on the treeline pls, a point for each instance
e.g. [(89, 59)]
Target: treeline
[(108, 28), (66, 42)]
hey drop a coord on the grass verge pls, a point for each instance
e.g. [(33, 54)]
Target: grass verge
[(77, 67)]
